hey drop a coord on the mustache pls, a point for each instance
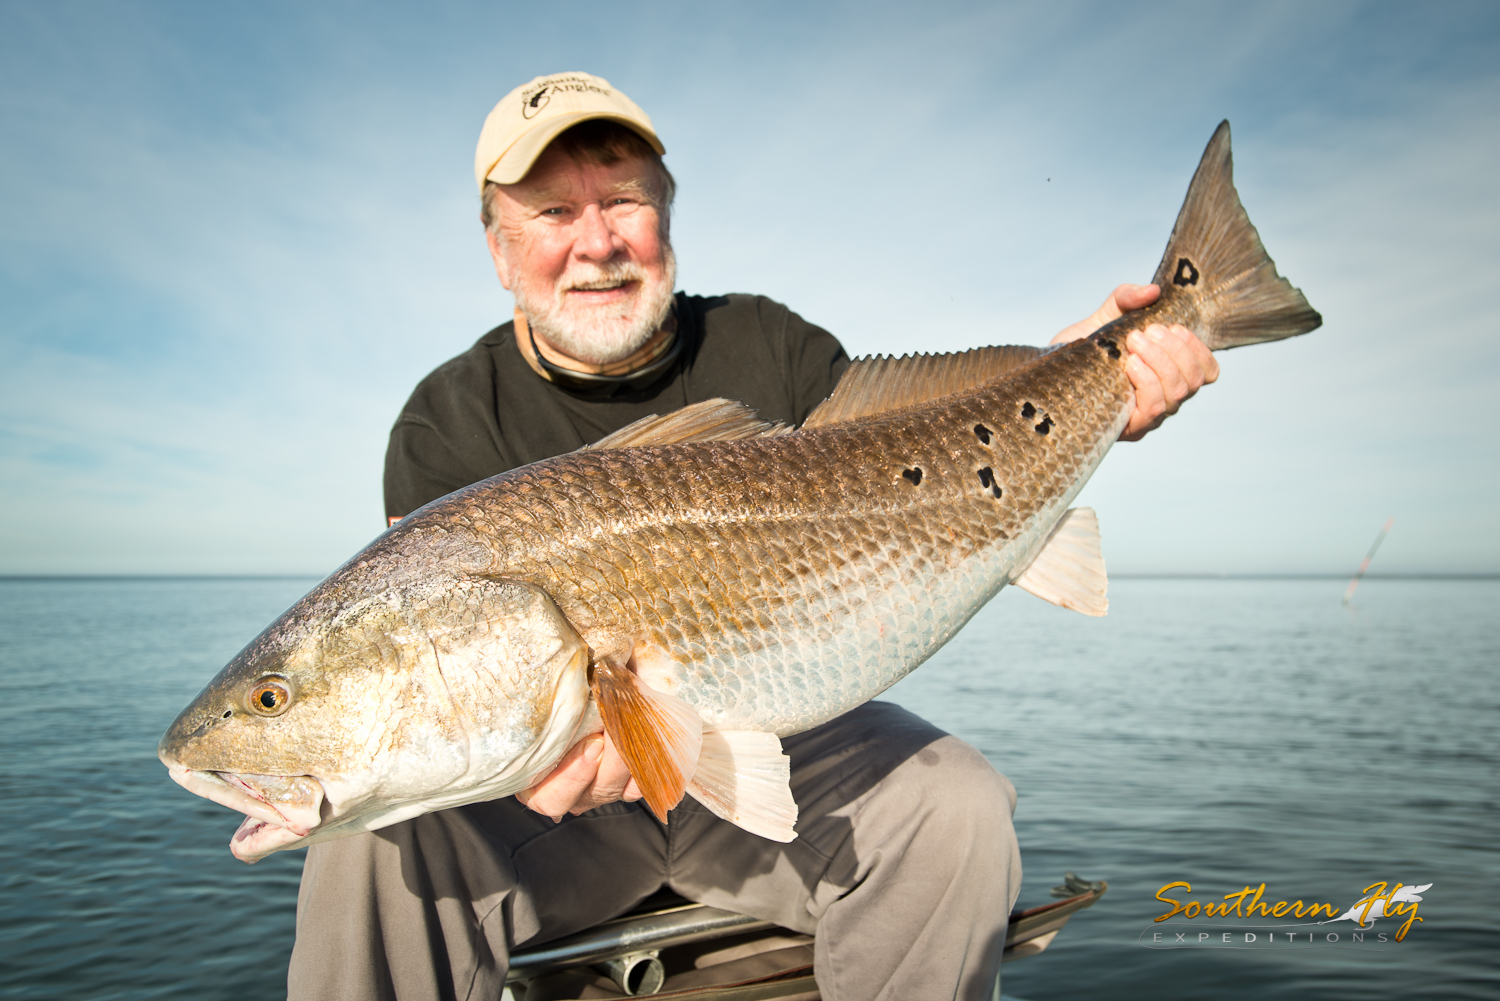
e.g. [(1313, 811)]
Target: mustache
[(601, 276)]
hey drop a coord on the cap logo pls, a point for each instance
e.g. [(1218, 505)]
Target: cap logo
[(533, 101), (536, 103)]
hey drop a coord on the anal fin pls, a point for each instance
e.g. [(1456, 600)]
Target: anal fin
[(659, 736), (743, 777), (1069, 568)]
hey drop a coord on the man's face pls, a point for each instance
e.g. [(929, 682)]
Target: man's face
[(583, 249)]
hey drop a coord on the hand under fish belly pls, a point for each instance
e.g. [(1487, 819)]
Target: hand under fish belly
[(698, 585)]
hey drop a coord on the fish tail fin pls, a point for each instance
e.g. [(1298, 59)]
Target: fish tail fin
[(1216, 257)]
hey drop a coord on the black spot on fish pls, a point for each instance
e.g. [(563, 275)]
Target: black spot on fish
[(914, 474), (1108, 345), (1028, 411), (983, 433), (1045, 426), (986, 477), (996, 491), (1186, 273)]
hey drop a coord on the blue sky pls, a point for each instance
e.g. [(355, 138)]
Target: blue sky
[(232, 238)]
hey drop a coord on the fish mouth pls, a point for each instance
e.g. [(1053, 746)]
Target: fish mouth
[(280, 810)]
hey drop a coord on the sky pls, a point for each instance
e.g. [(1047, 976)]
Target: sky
[(233, 237)]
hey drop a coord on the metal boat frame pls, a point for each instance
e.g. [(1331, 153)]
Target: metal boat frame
[(628, 949)]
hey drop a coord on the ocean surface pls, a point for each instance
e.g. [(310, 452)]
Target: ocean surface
[(1221, 733)]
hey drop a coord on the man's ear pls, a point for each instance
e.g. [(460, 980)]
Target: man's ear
[(497, 254)]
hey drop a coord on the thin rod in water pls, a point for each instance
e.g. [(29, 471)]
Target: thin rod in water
[(1358, 574)]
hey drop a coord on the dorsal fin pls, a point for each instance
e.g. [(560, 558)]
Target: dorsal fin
[(711, 420), (882, 383)]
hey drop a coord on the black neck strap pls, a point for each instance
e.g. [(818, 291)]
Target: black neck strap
[(596, 384)]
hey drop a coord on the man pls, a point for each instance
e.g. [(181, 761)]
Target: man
[(905, 863)]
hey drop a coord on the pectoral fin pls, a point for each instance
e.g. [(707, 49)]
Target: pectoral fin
[(744, 778), (658, 735), (1069, 569)]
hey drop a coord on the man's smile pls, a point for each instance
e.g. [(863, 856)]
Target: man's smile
[(603, 291)]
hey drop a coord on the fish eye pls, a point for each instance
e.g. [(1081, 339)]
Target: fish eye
[(270, 697)]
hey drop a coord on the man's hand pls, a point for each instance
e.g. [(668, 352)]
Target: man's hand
[(1167, 365), (591, 774)]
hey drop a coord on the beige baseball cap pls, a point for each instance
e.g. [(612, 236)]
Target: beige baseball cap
[(531, 116)]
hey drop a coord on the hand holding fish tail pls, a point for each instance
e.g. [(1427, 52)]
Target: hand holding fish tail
[(1167, 364), (1119, 302)]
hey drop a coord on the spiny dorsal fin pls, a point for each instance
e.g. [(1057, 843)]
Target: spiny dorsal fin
[(1069, 569), (711, 420), (1215, 255), (882, 383), (744, 778), (659, 736)]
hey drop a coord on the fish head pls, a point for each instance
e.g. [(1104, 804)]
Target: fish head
[(409, 681)]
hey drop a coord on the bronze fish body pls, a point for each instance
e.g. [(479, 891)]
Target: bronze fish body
[(701, 584)]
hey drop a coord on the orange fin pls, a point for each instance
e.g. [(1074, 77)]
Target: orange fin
[(657, 734)]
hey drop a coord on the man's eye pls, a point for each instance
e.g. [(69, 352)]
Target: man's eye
[(554, 212)]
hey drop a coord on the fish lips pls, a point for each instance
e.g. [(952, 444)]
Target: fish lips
[(280, 810), (255, 839)]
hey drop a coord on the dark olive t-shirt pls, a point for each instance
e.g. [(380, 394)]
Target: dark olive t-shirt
[(487, 411)]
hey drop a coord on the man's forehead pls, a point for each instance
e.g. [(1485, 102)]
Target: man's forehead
[(557, 176)]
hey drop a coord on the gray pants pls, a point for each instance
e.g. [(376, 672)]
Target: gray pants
[(905, 866)]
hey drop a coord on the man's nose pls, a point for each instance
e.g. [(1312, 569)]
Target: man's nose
[(593, 238)]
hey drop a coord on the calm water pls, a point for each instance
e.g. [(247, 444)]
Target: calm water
[(1224, 733)]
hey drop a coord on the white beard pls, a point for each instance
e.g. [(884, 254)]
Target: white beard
[(601, 335)]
